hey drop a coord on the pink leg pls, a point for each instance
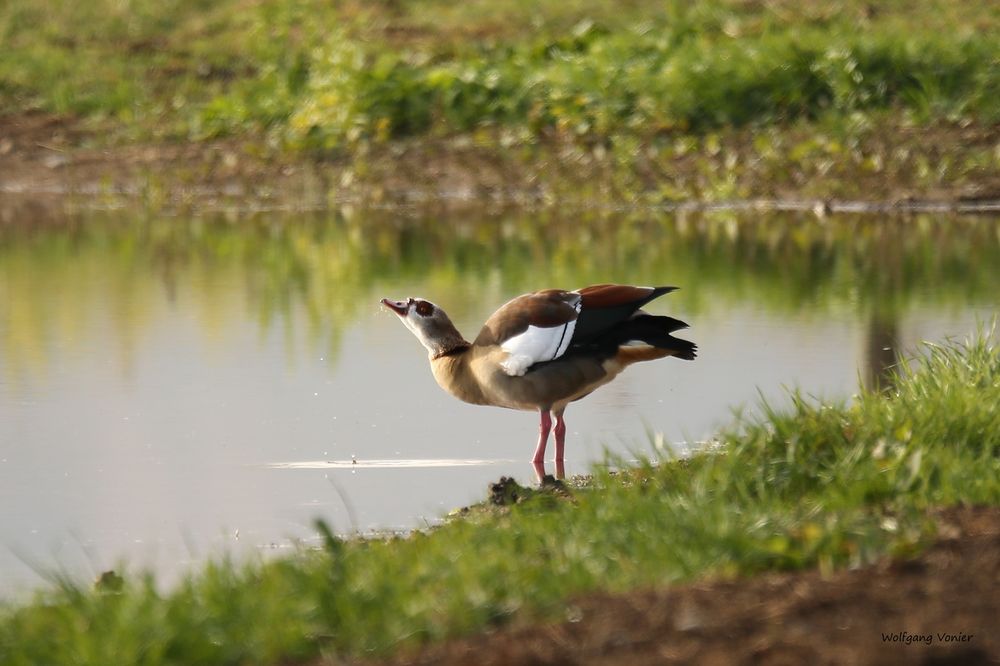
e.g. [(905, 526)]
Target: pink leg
[(560, 432), (544, 425)]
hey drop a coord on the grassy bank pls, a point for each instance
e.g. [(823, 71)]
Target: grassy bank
[(329, 76), (819, 485), (550, 101)]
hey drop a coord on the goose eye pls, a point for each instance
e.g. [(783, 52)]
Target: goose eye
[(424, 308)]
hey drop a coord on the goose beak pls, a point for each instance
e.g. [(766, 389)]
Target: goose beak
[(399, 307)]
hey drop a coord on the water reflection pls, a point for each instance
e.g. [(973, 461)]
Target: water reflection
[(882, 349), (154, 370), (65, 281)]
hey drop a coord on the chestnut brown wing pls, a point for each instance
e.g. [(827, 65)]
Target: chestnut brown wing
[(607, 305)]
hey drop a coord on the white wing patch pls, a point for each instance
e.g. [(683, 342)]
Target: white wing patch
[(537, 345)]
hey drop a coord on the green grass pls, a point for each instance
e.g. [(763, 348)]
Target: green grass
[(655, 78), (826, 485), (336, 76)]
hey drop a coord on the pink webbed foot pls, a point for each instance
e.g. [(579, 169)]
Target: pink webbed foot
[(540, 475)]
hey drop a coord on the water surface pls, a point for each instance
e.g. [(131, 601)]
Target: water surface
[(176, 387)]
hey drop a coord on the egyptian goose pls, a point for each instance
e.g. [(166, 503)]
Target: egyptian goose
[(546, 349)]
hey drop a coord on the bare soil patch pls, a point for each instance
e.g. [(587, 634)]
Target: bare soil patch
[(940, 607), (46, 154)]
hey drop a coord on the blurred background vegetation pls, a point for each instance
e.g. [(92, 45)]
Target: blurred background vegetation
[(333, 76)]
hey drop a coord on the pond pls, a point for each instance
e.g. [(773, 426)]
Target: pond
[(178, 387)]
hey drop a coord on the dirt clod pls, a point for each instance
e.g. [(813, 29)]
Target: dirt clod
[(506, 492)]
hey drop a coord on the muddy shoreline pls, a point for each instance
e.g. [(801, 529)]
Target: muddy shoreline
[(53, 160)]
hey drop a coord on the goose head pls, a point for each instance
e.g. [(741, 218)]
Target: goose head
[(429, 323)]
